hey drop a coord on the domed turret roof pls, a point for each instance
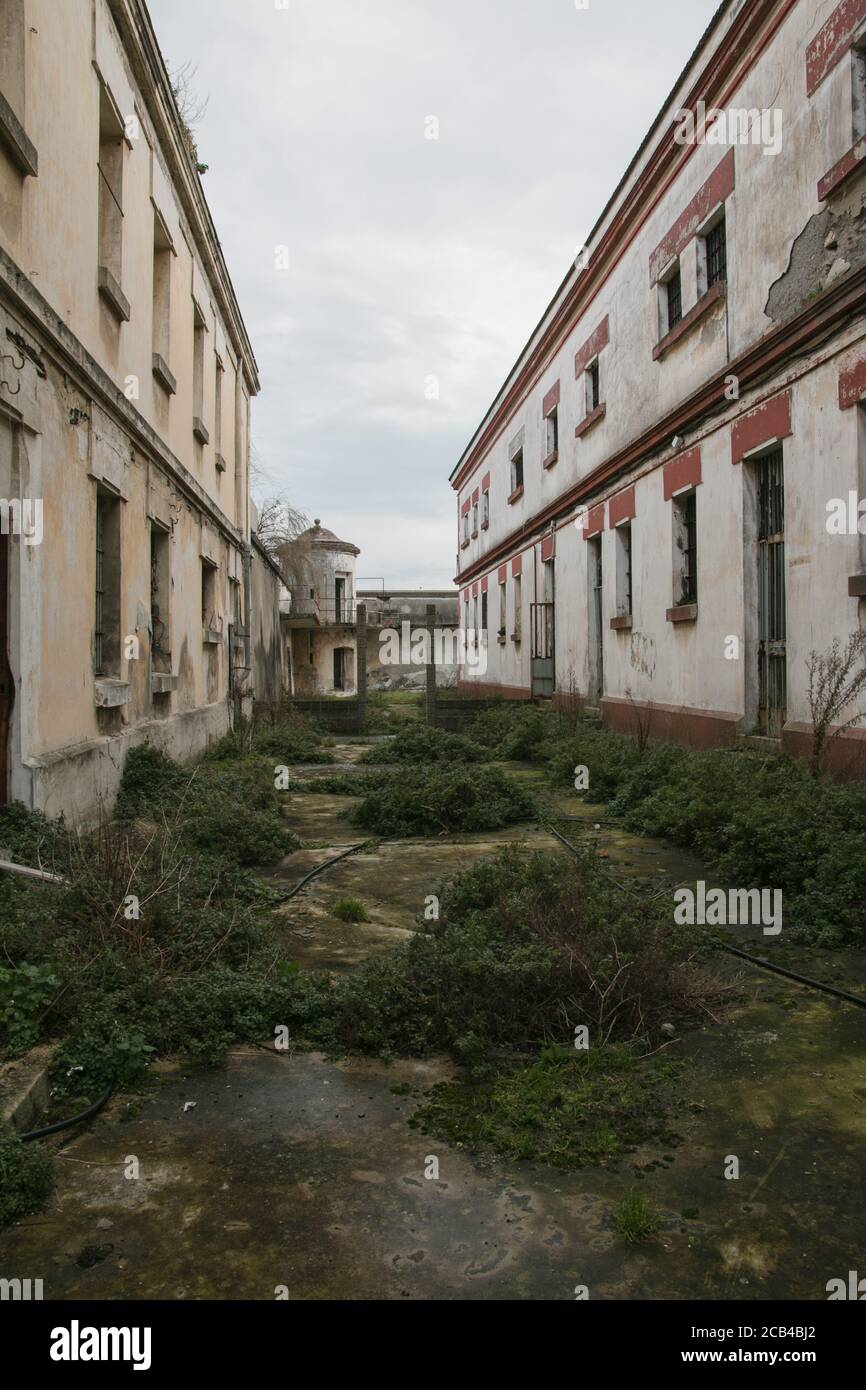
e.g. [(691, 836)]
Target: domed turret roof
[(318, 534)]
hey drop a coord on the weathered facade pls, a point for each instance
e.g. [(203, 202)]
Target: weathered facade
[(124, 414), (320, 614), (646, 511)]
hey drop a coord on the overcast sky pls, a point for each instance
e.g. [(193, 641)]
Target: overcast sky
[(408, 258)]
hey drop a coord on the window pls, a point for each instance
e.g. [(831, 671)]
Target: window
[(110, 167), (673, 300), (465, 528), (518, 606), (623, 571), (162, 257), (106, 643), (484, 615), (13, 69), (199, 331), (716, 251), (552, 429), (503, 610), (217, 416), (209, 619), (685, 548), (858, 89), (485, 510), (517, 471), (475, 518), (593, 386), (160, 644)]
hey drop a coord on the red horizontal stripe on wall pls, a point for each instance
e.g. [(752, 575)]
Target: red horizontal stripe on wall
[(594, 521), (764, 425), (832, 42), (716, 189), (548, 546), (485, 483), (852, 383), (622, 507), (593, 346), (551, 399), (683, 471), (503, 573)]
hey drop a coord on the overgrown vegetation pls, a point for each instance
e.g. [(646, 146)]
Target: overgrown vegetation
[(441, 801), (25, 1177), (636, 1218), (350, 910), (757, 821), (419, 744)]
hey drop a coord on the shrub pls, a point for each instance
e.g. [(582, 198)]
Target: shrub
[(25, 992), (419, 744), (440, 801), (512, 731), (350, 910), (636, 1218), (25, 1177)]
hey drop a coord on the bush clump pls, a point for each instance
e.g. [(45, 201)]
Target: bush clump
[(441, 801), (419, 744), (25, 1177)]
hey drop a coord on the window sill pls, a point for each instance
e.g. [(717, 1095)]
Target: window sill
[(857, 586), (848, 165), (516, 495), (713, 296), (464, 545), (485, 525), (622, 624), (220, 464), (210, 637), (162, 683), (475, 535), (592, 419), (502, 641), (163, 374), (551, 459), (516, 638), (112, 294), (16, 141), (200, 430), (683, 613), (111, 693)]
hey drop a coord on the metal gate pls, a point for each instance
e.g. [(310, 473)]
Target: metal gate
[(542, 620), (772, 617)]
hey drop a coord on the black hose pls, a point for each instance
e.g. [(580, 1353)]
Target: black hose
[(320, 869), (842, 994), (85, 1115)]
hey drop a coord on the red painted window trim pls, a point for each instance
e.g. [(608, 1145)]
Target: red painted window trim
[(485, 483), (551, 400), (852, 383), (503, 574), (484, 583), (594, 523), (591, 419), (466, 508), (832, 42), (682, 472), (551, 459), (717, 188), (594, 345), (516, 495), (713, 296), (763, 425), (476, 496), (475, 589), (847, 166), (548, 547), (622, 508), (516, 566)]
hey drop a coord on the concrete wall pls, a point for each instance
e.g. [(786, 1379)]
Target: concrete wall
[(82, 414), (268, 648), (784, 336)]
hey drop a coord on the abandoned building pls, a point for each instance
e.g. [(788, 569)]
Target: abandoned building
[(325, 615), (124, 416), (644, 511)]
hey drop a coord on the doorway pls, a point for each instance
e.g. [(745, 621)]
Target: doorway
[(772, 613), (596, 628)]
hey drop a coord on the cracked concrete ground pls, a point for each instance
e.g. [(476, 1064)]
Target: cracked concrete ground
[(292, 1172)]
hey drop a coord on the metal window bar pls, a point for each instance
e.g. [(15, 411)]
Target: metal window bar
[(109, 188), (594, 386), (772, 615), (99, 630), (717, 255), (675, 299), (690, 552), (626, 540)]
